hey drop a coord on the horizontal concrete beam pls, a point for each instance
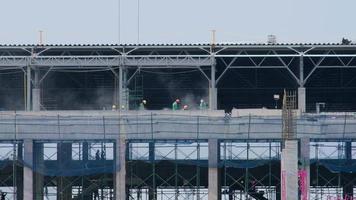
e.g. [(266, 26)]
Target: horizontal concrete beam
[(91, 125)]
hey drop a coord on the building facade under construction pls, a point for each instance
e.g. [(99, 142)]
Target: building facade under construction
[(279, 122)]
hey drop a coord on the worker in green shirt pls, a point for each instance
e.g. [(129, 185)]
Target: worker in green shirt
[(175, 105)]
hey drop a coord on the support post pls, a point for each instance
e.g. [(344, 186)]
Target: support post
[(212, 86), (301, 99), (86, 194), (123, 92), (19, 181), (120, 173), (214, 188), (301, 89), (289, 171), (36, 92), (152, 191), (27, 170), (28, 89), (64, 188), (347, 184), (39, 169), (305, 165)]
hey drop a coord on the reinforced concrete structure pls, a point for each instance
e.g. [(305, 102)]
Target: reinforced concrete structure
[(48, 151), (173, 155)]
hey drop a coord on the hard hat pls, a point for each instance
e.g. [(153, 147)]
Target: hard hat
[(185, 107), (201, 100), (177, 100), (144, 101), (114, 106)]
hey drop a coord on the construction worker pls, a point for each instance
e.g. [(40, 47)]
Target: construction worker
[(202, 105), (113, 108), (97, 155), (142, 105), (3, 195), (175, 105)]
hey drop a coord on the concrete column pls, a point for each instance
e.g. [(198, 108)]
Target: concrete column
[(19, 180), (213, 94), (36, 92), (152, 191), (123, 91), (301, 99), (347, 184), (120, 174), (39, 167), (214, 188), (305, 161), (64, 188), (27, 170), (28, 88), (87, 194), (289, 171)]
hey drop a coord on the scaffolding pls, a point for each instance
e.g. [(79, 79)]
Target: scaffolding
[(71, 166)]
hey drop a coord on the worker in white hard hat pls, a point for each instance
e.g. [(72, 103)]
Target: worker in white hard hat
[(143, 105), (202, 105), (113, 108)]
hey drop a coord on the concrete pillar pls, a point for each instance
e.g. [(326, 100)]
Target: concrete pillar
[(289, 171), (213, 94), (27, 170), (123, 91), (19, 180), (301, 99), (214, 188), (39, 169), (348, 184), (64, 188), (28, 88), (87, 193), (305, 161), (36, 92), (120, 174), (152, 191)]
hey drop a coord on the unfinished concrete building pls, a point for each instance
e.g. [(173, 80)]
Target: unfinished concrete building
[(71, 127)]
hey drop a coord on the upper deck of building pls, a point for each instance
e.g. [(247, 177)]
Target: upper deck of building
[(168, 125)]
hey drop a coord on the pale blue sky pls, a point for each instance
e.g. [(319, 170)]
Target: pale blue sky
[(176, 21)]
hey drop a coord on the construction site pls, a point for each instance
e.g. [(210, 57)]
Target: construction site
[(178, 122)]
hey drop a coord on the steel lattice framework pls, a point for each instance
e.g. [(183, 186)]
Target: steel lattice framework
[(300, 61)]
